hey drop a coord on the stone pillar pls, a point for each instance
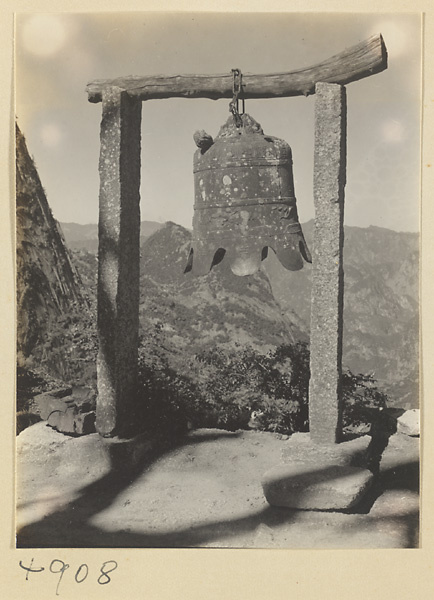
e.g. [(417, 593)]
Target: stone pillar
[(118, 262), (325, 396)]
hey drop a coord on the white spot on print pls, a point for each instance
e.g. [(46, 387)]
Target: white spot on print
[(44, 35)]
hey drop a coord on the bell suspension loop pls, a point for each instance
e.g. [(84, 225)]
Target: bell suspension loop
[(236, 91)]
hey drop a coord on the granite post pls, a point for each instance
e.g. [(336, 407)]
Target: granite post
[(118, 262), (325, 394)]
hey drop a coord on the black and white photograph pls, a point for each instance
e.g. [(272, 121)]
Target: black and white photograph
[(217, 280)]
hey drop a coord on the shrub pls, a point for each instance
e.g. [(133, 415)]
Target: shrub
[(361, 398), (220, 388), (166, 397)]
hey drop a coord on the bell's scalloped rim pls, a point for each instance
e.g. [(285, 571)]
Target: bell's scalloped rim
[(245, 259)]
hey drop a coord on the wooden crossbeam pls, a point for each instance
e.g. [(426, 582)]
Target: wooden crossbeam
[(354, 63)]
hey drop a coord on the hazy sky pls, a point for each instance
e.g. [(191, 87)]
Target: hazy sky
[(57, 55)]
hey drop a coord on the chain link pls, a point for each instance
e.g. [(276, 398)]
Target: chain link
[(236, 91)]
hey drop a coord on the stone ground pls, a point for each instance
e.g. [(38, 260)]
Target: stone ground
[(205, 492)]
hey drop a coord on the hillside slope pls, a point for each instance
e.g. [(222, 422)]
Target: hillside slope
[(220, 309), (49, 289), (381, 305), (181, 315)]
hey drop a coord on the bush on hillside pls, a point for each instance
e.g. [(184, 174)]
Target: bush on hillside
[(361, 397), (221, 388)]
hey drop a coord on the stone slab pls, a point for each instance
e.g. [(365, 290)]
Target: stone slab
[(321, 487), (301, 448)]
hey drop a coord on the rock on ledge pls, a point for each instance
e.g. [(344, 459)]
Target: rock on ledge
[(321, 487)]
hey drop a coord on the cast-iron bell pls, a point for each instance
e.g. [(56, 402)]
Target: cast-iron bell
[(244, 201)]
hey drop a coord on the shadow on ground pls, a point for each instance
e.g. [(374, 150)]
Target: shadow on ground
[(71, 525)]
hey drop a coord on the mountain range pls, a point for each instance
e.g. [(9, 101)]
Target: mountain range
[(180, 315), (85, 237), (381, 306)]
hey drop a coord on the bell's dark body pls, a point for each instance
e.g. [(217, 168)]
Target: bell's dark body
[(244, 201)]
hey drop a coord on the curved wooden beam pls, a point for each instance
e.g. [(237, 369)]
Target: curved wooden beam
[(354, 63)]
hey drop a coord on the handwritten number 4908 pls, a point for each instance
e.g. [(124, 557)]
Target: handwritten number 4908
[(59, 567)]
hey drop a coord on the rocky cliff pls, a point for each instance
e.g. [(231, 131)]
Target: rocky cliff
[(48, 286)]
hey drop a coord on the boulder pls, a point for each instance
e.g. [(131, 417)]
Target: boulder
[(72, 421), (44, 404), (70, 410), (61, 392), (393, 420), (321, 487), (84, 398), (39, 444), (88, 457), (409, 422)]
